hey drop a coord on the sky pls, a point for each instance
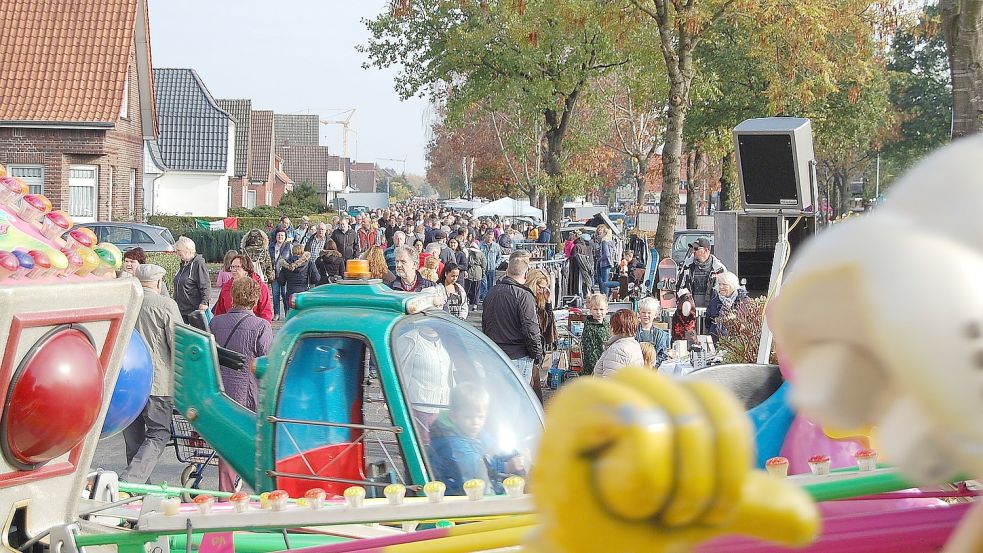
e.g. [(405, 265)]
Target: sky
[(296, 56)]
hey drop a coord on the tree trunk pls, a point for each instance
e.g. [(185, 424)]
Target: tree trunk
[(845, 199), (671, 152), (553, 169), (692, 199), (962, 25), (641, 168), (729, 191)]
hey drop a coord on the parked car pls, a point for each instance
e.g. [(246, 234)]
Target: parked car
[(681, 240), (127, 236)]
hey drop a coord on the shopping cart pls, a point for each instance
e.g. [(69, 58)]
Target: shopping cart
[(191, 449)]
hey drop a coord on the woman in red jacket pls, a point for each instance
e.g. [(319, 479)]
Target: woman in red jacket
[(241, 266)]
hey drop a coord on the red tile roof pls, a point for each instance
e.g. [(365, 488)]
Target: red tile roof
[(64, 60)]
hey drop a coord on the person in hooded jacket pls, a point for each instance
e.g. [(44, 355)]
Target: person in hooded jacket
[(192, 283), (296, 272), (329, 265), (256, 245)]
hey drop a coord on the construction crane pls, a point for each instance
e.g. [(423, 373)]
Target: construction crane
[(345, 125), (403, 161)]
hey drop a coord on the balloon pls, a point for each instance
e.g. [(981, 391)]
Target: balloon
[(132, 387)]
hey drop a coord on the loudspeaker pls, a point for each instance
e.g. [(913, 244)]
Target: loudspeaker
[(774, 156)]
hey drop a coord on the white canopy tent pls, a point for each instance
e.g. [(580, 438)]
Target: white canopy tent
[(507, 207), (462, 205)]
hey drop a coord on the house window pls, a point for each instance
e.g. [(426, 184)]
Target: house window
[(124, 108), (269, 197), (82, 191), (133, 193), (251, 199), (229, 200), (32, 175)]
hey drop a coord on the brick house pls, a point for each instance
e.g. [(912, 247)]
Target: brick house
[(329, 174), (258, 176), (363, 176), (241, 112), (76, 102)]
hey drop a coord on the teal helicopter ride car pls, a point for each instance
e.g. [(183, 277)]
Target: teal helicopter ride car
[(365, 386)]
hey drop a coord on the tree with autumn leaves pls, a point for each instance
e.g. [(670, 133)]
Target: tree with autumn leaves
[(537, 58), (549, 80)]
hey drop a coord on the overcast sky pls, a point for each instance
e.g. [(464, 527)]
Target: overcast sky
[(295, 56)]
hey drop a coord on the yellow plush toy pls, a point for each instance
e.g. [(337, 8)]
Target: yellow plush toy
[(639, 462)]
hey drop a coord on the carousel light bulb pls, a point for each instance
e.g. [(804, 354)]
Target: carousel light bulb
[(204, 503), (435, 491), (240, 501), (395, 493), (170, 505), (315, 498), (278, 500), (514, 486), (355, 496), (475, 489)]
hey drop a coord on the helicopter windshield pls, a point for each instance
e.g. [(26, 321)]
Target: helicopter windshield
[(473, 415)]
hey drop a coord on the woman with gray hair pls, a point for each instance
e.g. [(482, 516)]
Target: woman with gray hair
[(728, 298), (192, 285)]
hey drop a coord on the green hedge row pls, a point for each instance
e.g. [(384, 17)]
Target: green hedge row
[(169, 261), (212, 244), (178, 223)]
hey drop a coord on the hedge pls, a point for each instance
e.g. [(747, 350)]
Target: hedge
[(178, 224), (168, 260), (212, 244)]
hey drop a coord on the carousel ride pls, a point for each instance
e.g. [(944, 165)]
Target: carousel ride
[(362, 384)]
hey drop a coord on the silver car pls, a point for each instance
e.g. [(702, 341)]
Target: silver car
[(127, 236)]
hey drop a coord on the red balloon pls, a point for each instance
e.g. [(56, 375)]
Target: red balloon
[(55, 399)]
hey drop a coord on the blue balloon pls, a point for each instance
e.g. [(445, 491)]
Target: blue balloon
[(132, 387)]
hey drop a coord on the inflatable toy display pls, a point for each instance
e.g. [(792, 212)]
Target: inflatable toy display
[(63, 332), (136, 377), (869, 348)]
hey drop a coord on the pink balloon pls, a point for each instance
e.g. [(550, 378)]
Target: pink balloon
[(806, 438)]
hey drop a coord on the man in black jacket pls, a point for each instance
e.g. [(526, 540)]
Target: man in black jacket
[(346, 239), (509, 318)]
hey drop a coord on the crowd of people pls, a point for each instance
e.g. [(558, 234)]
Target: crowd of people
[(414, 247)]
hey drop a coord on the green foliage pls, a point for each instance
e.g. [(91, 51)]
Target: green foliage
[(399, 192), (304, 198), (179, 224), (921, 93), (168, 260), (536, 59), (213, 244)]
